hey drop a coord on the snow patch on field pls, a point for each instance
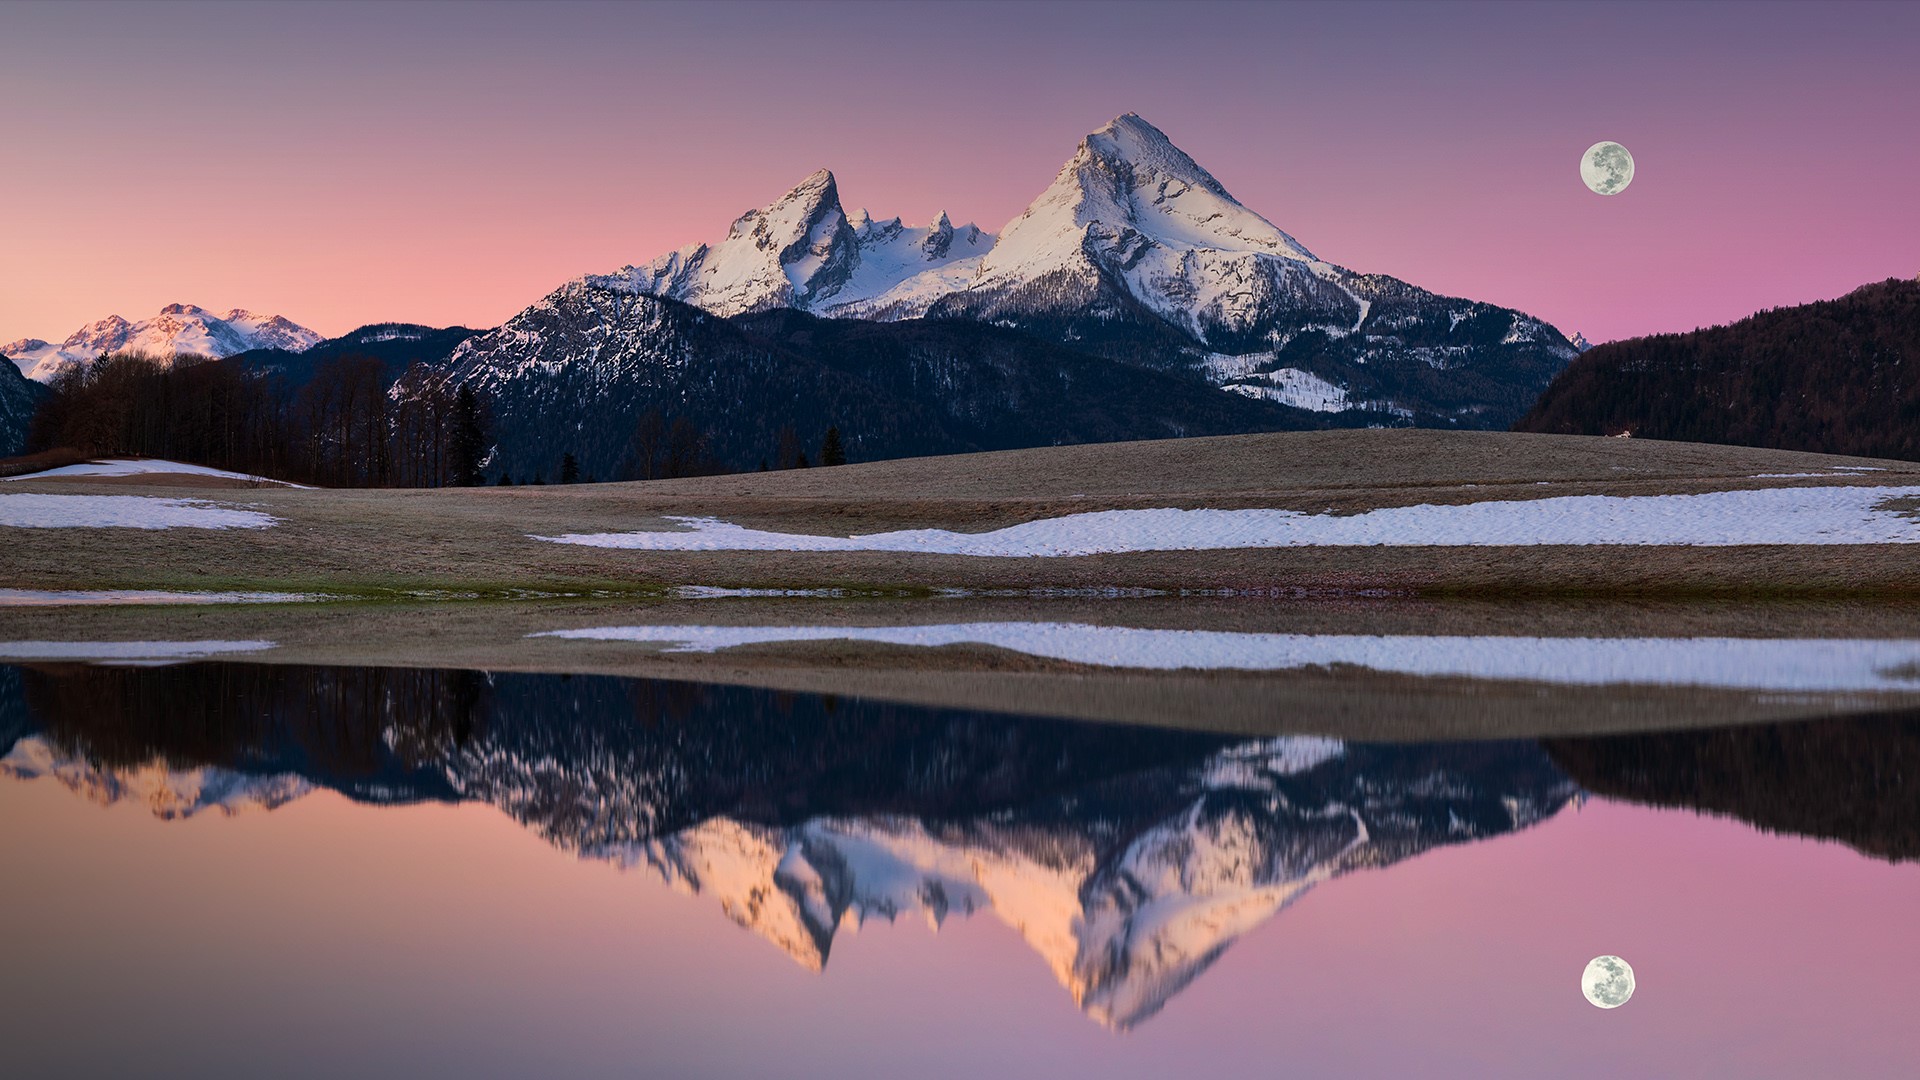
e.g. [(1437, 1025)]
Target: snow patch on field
[(125, 650), (143, 467), (1790, 516), (33, 511), (111, 597), (1807, 665)]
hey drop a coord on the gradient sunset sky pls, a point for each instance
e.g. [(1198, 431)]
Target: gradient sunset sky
[(346, 163)]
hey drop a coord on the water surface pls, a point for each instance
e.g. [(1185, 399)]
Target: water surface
[(242, 870)]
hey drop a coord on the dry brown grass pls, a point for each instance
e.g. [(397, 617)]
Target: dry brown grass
[(477, 539), (57, 458)]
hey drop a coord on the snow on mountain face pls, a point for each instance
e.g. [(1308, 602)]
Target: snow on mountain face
[(179, 329), (1136, 207), (803, 252), (901, 270)]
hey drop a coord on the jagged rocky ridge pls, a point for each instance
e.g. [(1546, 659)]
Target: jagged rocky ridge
[(1137, 254), (179, 329), (1129, 858)]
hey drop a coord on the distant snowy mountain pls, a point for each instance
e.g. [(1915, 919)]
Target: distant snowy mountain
[(179, 329)]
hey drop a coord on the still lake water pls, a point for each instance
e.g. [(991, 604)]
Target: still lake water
[(221, 869)]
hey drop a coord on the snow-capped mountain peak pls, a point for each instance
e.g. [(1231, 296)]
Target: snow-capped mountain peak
[(177, 330), (1135, 212), (803, 251), (1129, 184), (787, 254), (1129, 176)]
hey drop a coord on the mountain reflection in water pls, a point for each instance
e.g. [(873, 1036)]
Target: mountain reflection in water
[(1129, 858)]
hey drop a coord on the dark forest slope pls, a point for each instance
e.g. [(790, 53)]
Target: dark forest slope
[(1838, 377), (19, 397)]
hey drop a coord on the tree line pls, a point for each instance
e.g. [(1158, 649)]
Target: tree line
[(350, 424)]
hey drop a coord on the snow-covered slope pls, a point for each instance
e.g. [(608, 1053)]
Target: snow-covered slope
[(179, 329), (803, 252)]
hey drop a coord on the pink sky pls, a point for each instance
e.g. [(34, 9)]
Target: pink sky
[(344, 164)]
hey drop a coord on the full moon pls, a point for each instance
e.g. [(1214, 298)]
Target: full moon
[(1607, 168), (1607, 982)]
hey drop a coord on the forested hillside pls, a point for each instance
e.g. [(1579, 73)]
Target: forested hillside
[(1839, 377)]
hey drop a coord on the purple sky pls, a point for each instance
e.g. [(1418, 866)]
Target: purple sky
[(346, 163)]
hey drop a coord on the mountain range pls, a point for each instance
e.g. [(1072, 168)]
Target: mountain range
[(1134, 298), (1134, 257), (179, 329)]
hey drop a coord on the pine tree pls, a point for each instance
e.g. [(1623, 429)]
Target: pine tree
[(569, 469), (469, 438), (831, 452)]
